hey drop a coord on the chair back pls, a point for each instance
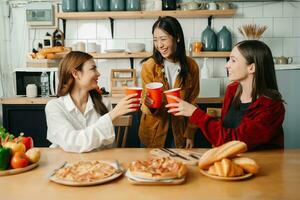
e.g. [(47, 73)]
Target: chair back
[(122, 124)]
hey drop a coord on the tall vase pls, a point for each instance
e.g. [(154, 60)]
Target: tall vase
[(224, 40), (209, 39)]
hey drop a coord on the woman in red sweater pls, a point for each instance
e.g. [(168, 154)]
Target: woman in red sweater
[(253, 110)]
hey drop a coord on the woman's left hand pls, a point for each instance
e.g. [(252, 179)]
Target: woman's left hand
[(181, 108), (189, 143)]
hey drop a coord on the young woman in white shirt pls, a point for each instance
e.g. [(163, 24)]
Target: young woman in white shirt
[(80, 120)]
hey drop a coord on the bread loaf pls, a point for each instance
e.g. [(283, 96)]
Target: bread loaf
[(247, 164), (225, 168), (227, 150)]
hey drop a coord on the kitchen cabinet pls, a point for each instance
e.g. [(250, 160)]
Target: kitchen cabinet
[(27, 118), (143, 15), (288, 83)]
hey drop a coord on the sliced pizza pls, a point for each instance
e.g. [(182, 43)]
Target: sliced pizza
[(158, 169), (85, 171)]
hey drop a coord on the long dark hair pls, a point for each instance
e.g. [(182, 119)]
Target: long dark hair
[(75, 61), (264, 80), (172, 27)]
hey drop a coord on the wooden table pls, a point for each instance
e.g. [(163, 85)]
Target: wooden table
[(279, 178)]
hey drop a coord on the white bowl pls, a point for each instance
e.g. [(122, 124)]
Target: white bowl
[(136, 47)]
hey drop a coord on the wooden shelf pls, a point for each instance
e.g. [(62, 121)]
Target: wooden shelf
[(146, 14), (211, 54), (203, 54)]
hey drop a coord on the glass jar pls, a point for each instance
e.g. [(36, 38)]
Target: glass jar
[(117, 5), (133, 5)]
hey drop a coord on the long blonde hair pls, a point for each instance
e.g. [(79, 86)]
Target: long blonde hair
[(74, 61)]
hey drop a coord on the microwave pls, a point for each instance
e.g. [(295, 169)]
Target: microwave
[(25, 76)]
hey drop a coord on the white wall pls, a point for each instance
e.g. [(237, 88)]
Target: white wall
[(282, 35)]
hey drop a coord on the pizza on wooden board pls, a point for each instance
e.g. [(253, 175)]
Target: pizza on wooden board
[(85, 171), (158, 169)]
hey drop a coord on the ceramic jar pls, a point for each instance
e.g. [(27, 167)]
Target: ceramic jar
[(133, 5), (31, 90), (224, 40), (209, 39), (69, 6), (117, 5), (101, 5), (84, 5)]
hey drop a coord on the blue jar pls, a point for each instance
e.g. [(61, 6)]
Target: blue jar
[(69, 5), (84, 5), (133, 5), (101, 5), (224, 40), (209, 39), (117, 5)]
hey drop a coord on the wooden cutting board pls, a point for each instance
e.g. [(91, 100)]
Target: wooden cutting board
[(185, 153)]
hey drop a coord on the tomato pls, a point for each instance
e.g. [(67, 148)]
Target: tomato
[(19, 160)]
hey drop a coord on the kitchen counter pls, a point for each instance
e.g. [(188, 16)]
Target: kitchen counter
[(113, 99), (278, 179)]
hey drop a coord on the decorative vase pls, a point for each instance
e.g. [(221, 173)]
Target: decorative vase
[(101, 5), (84, 5), (117, 5), (224, 40), (69, 6), (168, 4), (133, 5), (209, 39)]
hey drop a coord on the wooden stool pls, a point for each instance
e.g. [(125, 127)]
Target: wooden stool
[(121, 78)]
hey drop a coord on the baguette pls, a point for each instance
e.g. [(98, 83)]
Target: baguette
[(247, 164), (227, 150)]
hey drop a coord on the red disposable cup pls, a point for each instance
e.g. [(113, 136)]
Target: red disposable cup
[(174, 92), (154, 90), (134, 90)]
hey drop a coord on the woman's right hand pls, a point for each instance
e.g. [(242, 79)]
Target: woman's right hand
[(126, 105), (148, 100)]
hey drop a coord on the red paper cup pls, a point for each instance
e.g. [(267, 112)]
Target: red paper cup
[(174, 92), (134, 90), (155, 93)]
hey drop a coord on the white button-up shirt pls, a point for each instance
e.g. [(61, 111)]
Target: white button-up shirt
[(73, 131)]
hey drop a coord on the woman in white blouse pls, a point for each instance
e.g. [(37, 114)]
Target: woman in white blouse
[(79, 120)]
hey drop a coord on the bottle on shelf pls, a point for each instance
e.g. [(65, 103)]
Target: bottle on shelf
[(204, 70), (44, 84)]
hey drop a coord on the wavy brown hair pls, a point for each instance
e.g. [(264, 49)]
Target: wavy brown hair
[(75, 61)]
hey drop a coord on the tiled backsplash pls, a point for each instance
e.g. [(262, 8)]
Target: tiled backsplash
[(282, 35)]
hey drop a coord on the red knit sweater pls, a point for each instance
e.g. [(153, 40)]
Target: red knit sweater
[(260, 127)]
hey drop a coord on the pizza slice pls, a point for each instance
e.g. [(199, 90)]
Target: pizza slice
[(158, 169)]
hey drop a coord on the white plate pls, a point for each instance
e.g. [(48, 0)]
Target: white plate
[(114, 50), (18, 170), (101, 181), (236, 178), (142, 181)]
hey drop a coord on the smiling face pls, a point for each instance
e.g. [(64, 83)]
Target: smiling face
[(88, 77), (164, 43), (238, 68)]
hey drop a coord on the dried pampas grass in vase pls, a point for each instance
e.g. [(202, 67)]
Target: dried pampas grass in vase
[(252, 31)]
